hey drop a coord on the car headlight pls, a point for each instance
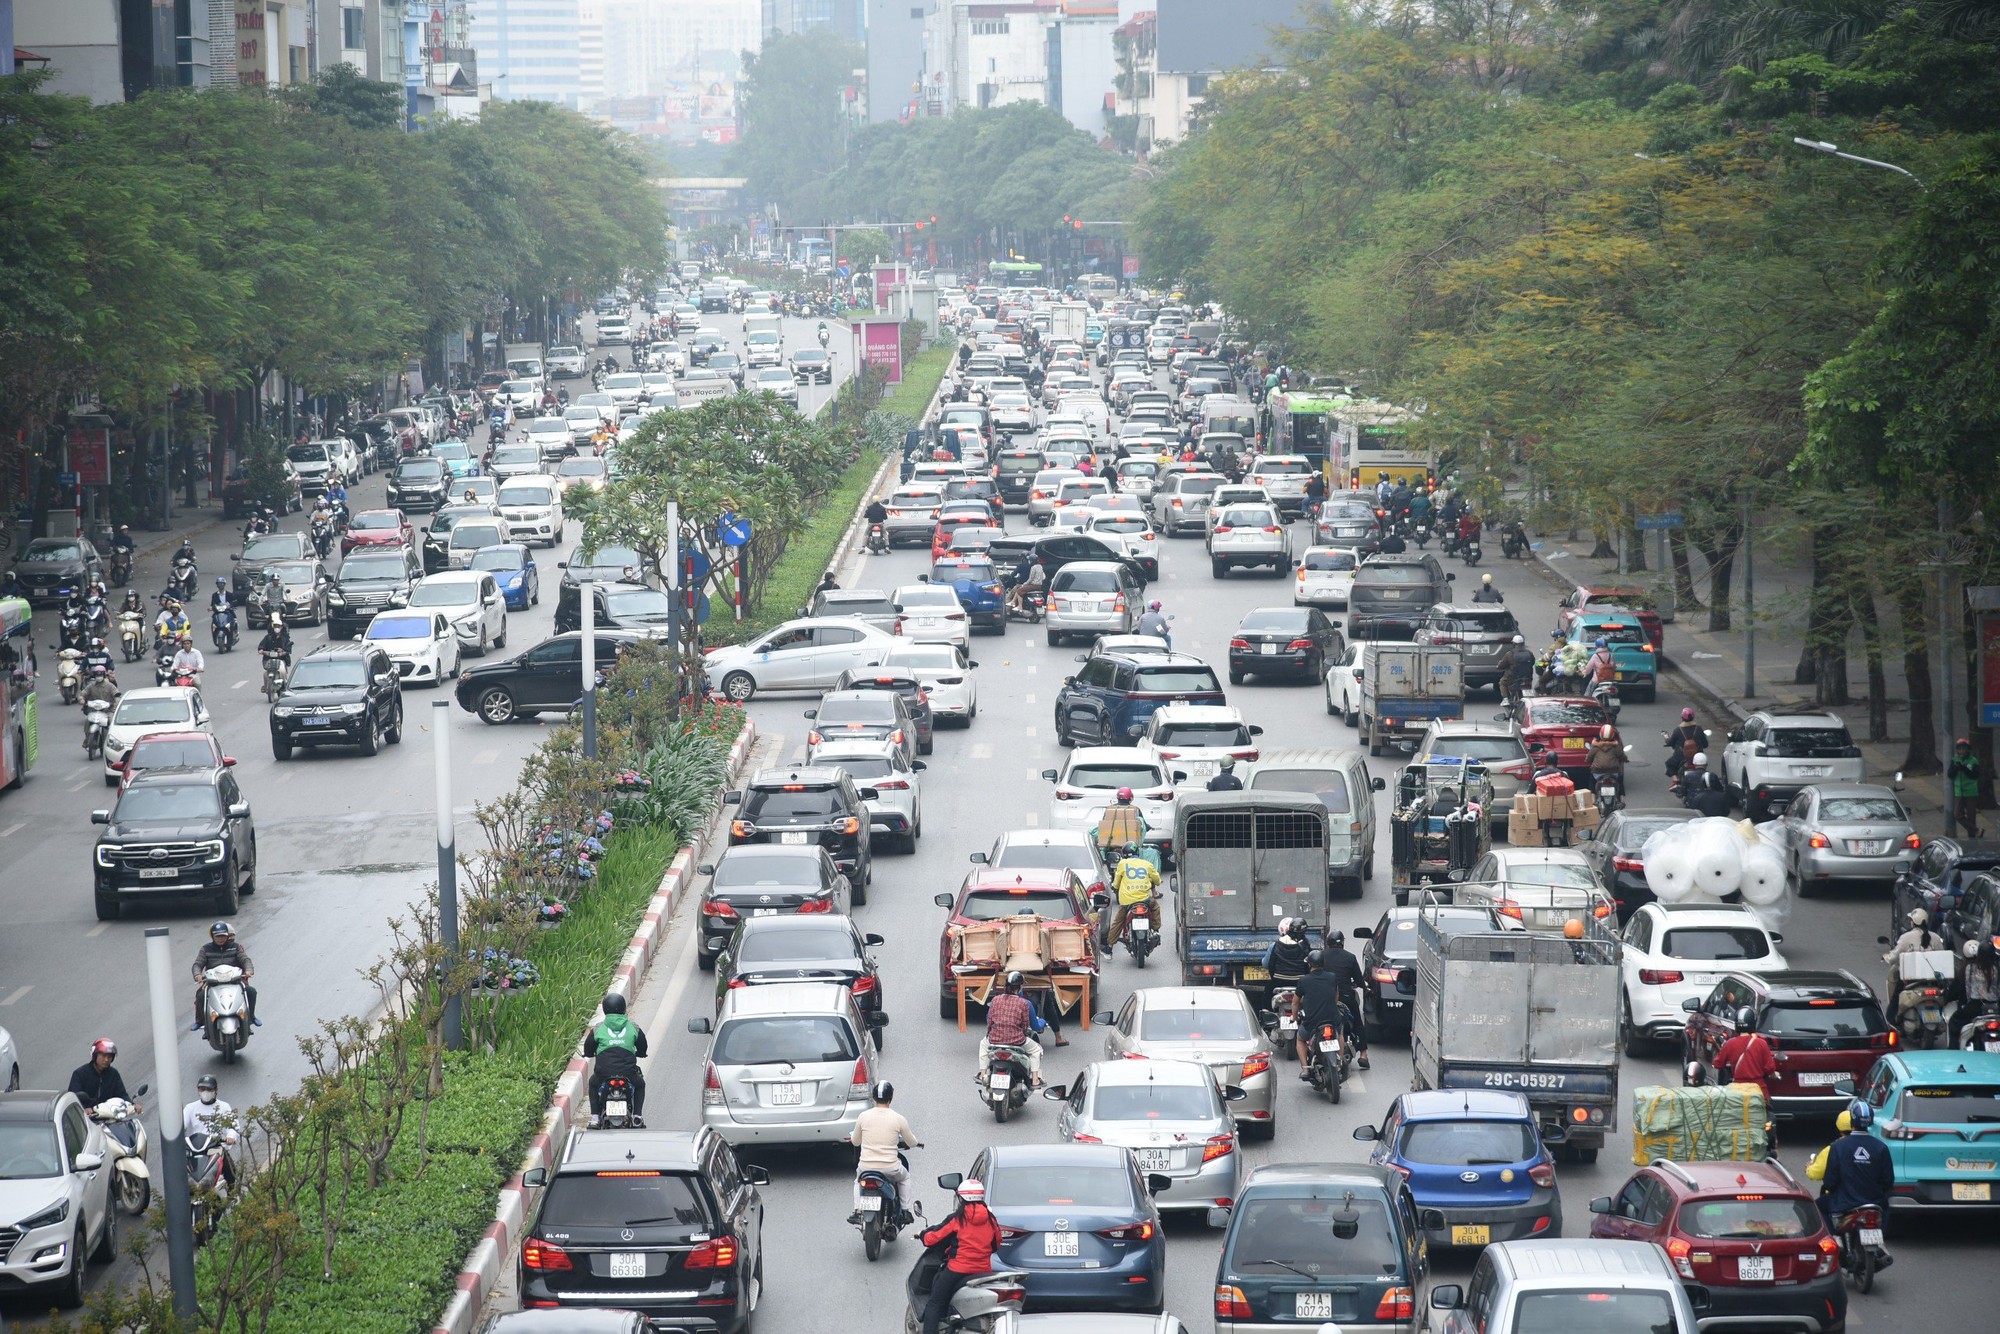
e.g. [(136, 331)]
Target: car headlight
[(336, 597), (469, 621), (48, 1217), (351, 709), (103, 855), (212, 850), (399, 599)]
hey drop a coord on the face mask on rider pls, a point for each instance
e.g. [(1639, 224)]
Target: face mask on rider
[(207, 1096)]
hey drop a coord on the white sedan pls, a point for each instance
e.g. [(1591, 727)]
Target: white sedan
[(145, 710), (931, 614), (945, 671), (422, 644), (776, 381), (551, 435), (1192, 739), (1343, 682), (1325, 577)]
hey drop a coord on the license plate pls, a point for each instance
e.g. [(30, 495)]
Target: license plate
[(1139, 926), (1252, 973), (791, 838), (1969, 1191), (1991, 1044), (1470, 1234), (1268, 648), (1312, 1306), (1155, 1160), (1574, 743), (1059, 1244), (1867, 847), (1820, 1078), (1618, 676), (316, 719), (872, 1203), (1871, 1236), (157, 873), (616, 1108), (1812, 770), (787, 1095), (1755, 1268), (628, 1264), (1330, 1045), (1000, 1080), (763, 912)]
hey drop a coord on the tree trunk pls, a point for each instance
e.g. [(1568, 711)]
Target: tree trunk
[(1635, 549), (1603, 550), (1684, 589), (1922, 757), (1878, 677), (1829, 621), (1719, 549)]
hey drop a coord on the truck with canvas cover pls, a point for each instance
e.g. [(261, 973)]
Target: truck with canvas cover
[(1247, 861), (1524, 1012)]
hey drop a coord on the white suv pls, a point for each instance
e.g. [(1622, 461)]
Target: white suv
[(1774, 756), (1248, 535), (1674, 952), (55, 1194)]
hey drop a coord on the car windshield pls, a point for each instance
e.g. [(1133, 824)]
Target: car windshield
[(1394, 574), (574, 413), (1280, 1236), (1153, 1101), (622, 382), (1115, 776), (924, 657), (1285, 622), (1616, 634), (580, 467), (788, 1039), (377, 519), (768, 943), (1488, 749), (1953, 1104), (604, 558), (507, 456), (1246, 517), (1326, 784), (532, 493), (307, 453), (296, 573), (171, 755), (500, 560), (1328, 560), (171, 709), (927, 596), (1599, 1310), (431, 593), (328, 674), (278, 546), (28, 1150), (1475, 623), (1715, 943), (177, 801), (1839, 810), (1577, 714), (811, 804), (1203, 485), (400, 627), (1202, 734), (988, 905), (861, 768), (1347, 509), (1139, 468), (1632, 833), (638, 604), (1282, 468), (483, 533), (1749, 1217), (616, 1200), (1176, 680), (1551, 875), (1468, 1143), (738, 871), (422, 470), (1190, 1023), (1085, 581), (1826, 1018), (1095, 1186)]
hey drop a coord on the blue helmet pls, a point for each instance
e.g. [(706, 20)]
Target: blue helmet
[(1602, 643), (1860, 1114)]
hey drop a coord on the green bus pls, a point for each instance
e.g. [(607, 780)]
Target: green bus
[(1014, 273)]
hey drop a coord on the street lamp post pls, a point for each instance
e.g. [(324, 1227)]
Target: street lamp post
[(1833, 150)]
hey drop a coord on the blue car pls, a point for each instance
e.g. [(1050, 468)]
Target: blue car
[(513, 569), (1939, 1112), (978, 587), (1636, 666), (1079, 1221), (1476, 1158), (458, 459)]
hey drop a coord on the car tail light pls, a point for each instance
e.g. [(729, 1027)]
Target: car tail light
[(1219, 1146), (720, 1253), (817, 905), (1883, 1039), (863, 985), (1270, 528), (1660, 977), (1829, 1255), (1508, 908), (890, 785), (1679, 1249), (717, 908), (896, 737), (857, 1083), (1130, 1232), (1384, 976), (1169, 754), (1168, 795), (1819, 841), (1297, 644), (1912, 841), (850, 824), (1239, 643), (1256, 1065), (814, 737), (1397, 1304), (1085, 1139), (1543, 1175), (711, 1087), (540, 1256), (1248, 753), (1628, 863), (1012, 1233), (1230, 1303), (899, 625), (741, 828), (1521, 771)]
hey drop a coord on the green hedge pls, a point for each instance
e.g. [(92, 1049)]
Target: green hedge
[(921, 377)]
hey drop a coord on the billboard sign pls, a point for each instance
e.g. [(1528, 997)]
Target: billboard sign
[(882, 345)]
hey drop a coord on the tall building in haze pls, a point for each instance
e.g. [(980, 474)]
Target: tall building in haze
[(531, 50)]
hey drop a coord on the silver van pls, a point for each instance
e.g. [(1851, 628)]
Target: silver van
[(1340, 779), (1561, 1287), (789, 1063)]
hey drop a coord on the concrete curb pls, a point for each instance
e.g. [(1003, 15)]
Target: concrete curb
[(483, 1268), (851, 541)]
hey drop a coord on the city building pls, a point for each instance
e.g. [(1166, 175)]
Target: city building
[(530, 50), (109, 51), (1166, 56), (1083, 63), (983, 53), (842, 18), (896, 58)]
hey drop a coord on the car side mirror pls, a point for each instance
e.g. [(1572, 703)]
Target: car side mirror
[(976, 858), (1376, 784), (1157, 1182), (700, 1025), (872, 939), (1601, 1205), (870, 794), (1256, 730), (1178, 775), (1406, 978), (1218, 1217), (1447, 1296), (100, 817), (535, 1176), (970, 663), (1431, 1220), (1049, 774), (944, 900), (733, 797), (1056, 1092), (1736, 734), (1234, 1093), (1698, 1297), (1450, 578), (88, 1162), (1366, 1133), (706, 868), (875, 1019), (1104, 1017), (1846, 1088), (239, 810), (755, 1175), (1692, 1005), (1099, 899), (950, 1180)]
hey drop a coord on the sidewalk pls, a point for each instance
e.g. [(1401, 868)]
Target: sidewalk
[(1713, 663)]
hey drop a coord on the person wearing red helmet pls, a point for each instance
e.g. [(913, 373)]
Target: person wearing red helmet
[(95, 1080), (1607, 758), (973, 1235)]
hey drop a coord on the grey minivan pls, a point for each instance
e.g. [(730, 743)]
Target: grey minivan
[(788, 1063), (1341, 781), (1560, 1286)]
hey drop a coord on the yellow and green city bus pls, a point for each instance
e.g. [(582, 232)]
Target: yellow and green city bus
[(1373, 438)]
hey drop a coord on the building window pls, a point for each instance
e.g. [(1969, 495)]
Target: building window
[(989, 27), (354, 29), (1197, 85)]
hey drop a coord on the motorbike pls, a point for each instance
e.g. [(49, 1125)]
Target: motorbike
[(274, 674), (882, 1212), (618, 1113), (1032, 604), (1330, 1062), (1981, 1032), (322, 535), (182, 578), (70, 629), (1606, 695), (1514, 542), (132, 635), (1470, 551), (163, 664), (208, 1188), (1917, 1004), (1004, 1081), (1862, 1254), (121, 568), (1420, 533), (125, 1135), (69, 674), (225, 1010), (1141, 931), (978, 1305), (878, 540), (1448, 544), (222, 629), (96, 722), (1285, 1032), (1610, 788)]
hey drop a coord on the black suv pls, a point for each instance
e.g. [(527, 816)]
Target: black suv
[(548, 678), (1054, 550), (419, 484), (766, 880), (1109, 702), (639, 608), (369, 581), (808, 805), (665, 1223), (340, 695), (1393, 594), (1482, 630), (1944, 871), (176, 833)]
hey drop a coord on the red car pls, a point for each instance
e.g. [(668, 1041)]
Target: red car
[(174, 750), (1825, 1029), (1613, 597), (948, 524), (377, 528), (1746, 1232), (1565, 725), (1055, 894)]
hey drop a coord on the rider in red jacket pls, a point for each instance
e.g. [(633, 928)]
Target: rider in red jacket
[(973, 1234)]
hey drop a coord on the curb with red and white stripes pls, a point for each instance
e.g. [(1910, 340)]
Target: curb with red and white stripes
[(482, 1270)]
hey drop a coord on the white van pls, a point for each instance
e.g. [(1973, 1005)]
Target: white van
[(1341, 781)]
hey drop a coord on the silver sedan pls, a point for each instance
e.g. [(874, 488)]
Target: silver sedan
[(1844, 831), (1213, 1026), (1172, 1115)]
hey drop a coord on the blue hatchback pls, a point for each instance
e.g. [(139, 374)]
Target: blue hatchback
[(1635, 665), (514, 573), (1474, 1156), (1079, 1221), (1939, 1111), (978, 588)]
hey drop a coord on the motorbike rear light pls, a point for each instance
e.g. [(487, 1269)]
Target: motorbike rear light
[(711, 1087), (719, 1253), (1130, 1232), (1628, 863), (1218, 1146), (1659, 977), (1679, 1250), (541, 1257), (717, 908), (1397, 1304), (1256, 1065), (1326, 1032), (1010, 1297), (1543, 1175), (816, 905)]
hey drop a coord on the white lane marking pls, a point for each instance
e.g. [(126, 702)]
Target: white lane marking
[(238, 685), (98, 930), (670, 1003), (486, 757), (981, 751), (1027, 699), (1027, 731), (13, 828), (19, 992), (79, 785), (1031, 669), (1033, 819)]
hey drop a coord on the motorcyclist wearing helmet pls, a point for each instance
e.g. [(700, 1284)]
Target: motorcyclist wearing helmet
[(1225, 779), (1602, 666), (617, 1045), (1517, 668), (881, 1133), (95, 1080), (1011, 1021), (1487, 592), (171, 620), (97, 659), (218, 601), (1684, 742), (1858, 1170), (1746, 1058), (1285, 961), (1134, 880), (221, 949), (1978, 985), (1121, 825), (1153, 621), (209, 1115), (1607, 758), (1702, 790), (1346, 970), (1323, 1000), (973, 1235)]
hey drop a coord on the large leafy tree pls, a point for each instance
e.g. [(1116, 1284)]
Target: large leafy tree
[(795, 121)]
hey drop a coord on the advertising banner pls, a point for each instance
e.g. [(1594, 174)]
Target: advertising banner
[(886, 277), (90, 455), (252, 52), (882, 345), (1989, 668)]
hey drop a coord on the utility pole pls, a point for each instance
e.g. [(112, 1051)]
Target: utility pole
[(447, 851), (173, 1154)]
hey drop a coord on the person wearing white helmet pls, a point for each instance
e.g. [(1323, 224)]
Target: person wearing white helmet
[(1487, 592), (973, 1235), (1702, 790)]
